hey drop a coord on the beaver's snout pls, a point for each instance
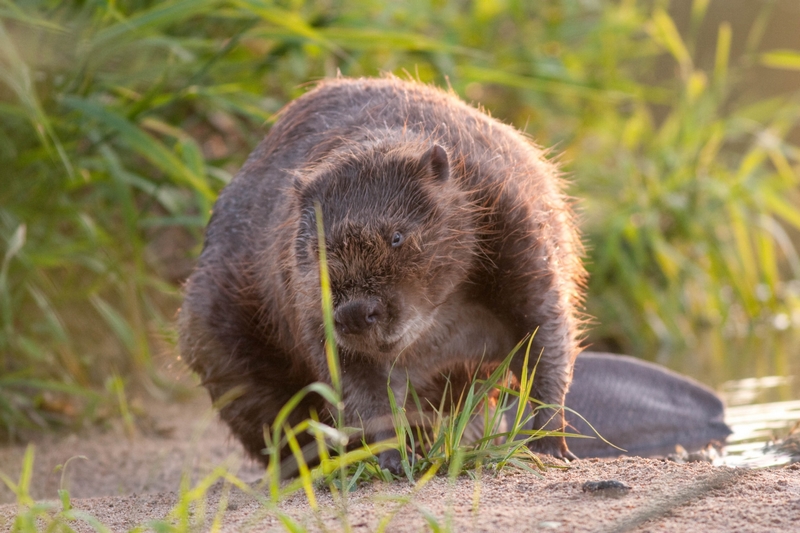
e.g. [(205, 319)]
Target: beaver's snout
[(358, 316)]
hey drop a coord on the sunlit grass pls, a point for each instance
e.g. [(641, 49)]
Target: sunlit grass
[(442, 449)]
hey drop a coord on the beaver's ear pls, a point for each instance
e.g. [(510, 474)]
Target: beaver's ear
[(437, 161)]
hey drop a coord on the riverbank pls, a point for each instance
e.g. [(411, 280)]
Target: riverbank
[(125, 480)]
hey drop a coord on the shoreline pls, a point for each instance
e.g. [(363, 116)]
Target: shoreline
[(129, 481)]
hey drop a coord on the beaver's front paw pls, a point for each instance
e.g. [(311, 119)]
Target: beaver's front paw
[(391, 461), (555, 446)]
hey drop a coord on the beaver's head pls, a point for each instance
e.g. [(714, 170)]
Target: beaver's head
[(399, 238)]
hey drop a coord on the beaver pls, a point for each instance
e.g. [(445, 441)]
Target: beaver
[(449, 240)]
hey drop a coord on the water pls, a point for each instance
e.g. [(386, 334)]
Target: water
[(758, 378), (757, 425)]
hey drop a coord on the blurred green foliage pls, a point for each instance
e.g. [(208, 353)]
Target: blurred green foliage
[(120, 121)]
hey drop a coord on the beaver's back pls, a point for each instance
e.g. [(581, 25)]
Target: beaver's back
[(342, 109)]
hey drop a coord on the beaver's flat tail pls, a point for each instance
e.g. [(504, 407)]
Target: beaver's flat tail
[(640, 407)]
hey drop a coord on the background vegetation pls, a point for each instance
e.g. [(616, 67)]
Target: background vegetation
[(120, 121)]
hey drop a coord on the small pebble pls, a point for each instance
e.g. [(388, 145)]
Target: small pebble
[(609, 488)]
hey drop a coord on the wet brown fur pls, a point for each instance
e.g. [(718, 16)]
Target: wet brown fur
[(491, 255)]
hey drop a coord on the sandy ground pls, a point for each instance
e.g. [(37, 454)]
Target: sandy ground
[(128, 480)]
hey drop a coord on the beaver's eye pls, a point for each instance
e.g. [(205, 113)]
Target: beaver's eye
[(397, 239)]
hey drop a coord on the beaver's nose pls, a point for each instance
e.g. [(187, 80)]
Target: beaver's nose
[(357, 316)]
